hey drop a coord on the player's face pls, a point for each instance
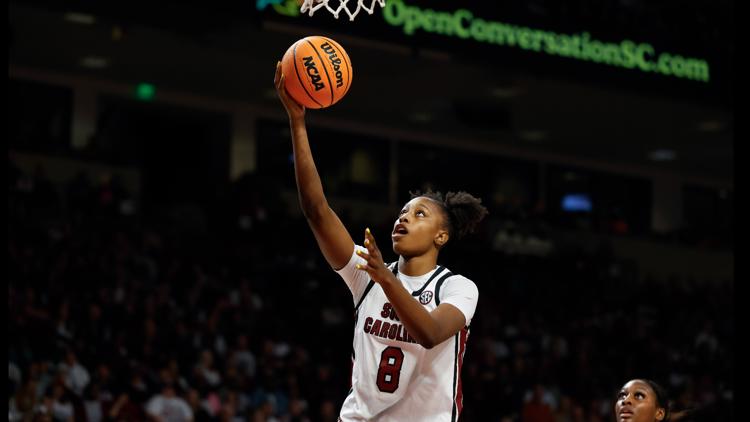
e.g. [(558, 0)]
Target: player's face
[(419, 227), (636, 402)]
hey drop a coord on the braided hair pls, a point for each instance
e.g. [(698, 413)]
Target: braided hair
[(461, 210)]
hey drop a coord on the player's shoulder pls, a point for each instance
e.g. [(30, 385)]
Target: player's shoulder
[(456, 286), (459, 279)]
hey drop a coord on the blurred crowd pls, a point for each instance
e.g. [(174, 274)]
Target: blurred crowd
[(116, 316)]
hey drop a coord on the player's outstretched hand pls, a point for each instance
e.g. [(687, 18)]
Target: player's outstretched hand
[(375, 266), (294, 109)]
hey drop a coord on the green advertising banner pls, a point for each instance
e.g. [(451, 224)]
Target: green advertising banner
[(465, 25)]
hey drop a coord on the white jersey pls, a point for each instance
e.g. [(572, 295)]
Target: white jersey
[(393, 377)]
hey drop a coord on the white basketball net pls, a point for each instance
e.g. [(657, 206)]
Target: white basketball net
[(311, 6)]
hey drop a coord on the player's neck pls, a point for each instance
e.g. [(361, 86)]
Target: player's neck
[(417, 265)]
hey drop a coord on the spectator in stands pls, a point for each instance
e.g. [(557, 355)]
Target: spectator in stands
[(76, 376), (168, 407), (536, 409)]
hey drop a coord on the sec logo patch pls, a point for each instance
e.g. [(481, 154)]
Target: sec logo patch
[(425, 297)]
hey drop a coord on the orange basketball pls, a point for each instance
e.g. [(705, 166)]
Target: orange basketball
[(317, 71)]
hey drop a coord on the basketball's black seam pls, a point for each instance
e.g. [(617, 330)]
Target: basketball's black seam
[(301, 84), (323, 65), (349, 69)]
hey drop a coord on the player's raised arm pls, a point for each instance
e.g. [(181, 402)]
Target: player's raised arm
[(333, 238)]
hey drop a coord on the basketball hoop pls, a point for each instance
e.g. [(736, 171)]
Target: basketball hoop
[(311, 6)]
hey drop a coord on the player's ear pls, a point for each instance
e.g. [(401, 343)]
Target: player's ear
[(441, 238)]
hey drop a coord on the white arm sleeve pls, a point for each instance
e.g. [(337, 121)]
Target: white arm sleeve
[(356, 279), (462, 293)]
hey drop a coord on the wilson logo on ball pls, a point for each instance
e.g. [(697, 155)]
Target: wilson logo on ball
[(317, 72), (335, 62)]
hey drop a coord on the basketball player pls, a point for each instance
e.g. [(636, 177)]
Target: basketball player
[(643, 400), (413, 316)]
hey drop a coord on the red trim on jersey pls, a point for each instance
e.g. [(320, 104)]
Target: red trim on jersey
[(461, 350), (351, 374)]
